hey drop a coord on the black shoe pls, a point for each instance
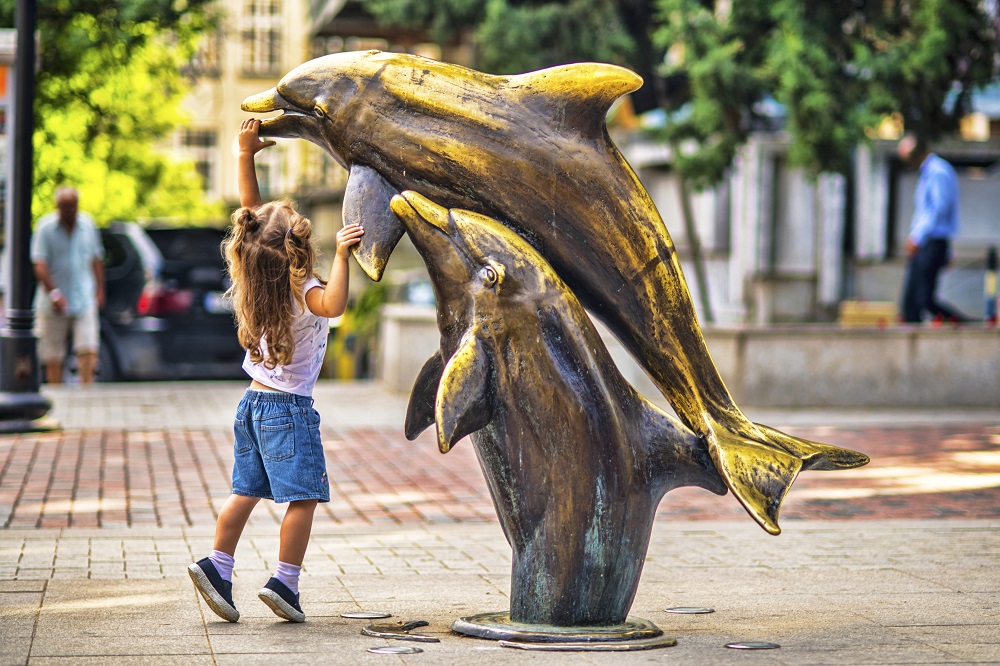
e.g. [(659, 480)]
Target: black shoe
[(281, 600), (218, 593)]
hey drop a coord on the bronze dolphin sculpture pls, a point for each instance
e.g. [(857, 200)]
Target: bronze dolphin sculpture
[(532, 151), (575, 458)]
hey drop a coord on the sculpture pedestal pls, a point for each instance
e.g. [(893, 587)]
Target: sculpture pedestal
[(633, 634)]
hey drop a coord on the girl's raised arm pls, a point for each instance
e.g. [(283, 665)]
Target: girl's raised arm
[(332, 301), (250, 145)]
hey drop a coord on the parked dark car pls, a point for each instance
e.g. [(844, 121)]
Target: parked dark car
[(166, 316)]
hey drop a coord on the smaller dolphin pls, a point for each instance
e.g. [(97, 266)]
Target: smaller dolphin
[(575, 458)]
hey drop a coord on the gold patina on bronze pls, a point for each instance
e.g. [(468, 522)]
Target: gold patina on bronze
[(526, 212)]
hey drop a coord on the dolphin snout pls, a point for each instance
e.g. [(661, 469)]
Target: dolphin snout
[(263, 102), (428, 210)]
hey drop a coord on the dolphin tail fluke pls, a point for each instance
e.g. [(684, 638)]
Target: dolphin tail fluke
[(760, 472), (759, 475)]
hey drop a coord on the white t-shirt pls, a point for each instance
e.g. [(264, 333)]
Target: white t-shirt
[(310, 333)]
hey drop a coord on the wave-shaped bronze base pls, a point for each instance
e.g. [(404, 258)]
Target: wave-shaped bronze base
[(633, 634)]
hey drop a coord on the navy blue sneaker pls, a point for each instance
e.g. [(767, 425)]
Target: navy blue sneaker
[(281, 600), (218, 593)]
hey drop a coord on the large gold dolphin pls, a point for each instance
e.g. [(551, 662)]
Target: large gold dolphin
[(532, 151)]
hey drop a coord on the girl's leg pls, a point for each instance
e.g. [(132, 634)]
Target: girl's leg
[(212, 575), (295, 529), (232, 519), (281, 593)]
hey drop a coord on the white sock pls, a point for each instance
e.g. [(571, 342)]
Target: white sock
[(289, 575), (223, 564)]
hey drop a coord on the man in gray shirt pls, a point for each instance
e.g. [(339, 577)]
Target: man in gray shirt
[(67, 254)]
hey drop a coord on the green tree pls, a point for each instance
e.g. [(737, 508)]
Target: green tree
[(109, 90)]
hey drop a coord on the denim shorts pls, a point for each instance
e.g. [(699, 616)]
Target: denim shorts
[(278, 451)]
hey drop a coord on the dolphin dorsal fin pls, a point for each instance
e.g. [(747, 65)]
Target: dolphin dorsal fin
[(584, 89)]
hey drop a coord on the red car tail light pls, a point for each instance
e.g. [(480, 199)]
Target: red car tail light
[(159, 301)]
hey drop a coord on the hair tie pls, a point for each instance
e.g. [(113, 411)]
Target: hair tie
[(248, 219)]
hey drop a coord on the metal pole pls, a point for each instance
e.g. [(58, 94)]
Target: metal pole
[(990, 286), (20, 401)]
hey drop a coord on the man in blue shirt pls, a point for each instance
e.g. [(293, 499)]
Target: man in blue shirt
[(934, 224), (67, 255)]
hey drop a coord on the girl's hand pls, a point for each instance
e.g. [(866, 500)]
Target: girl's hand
[(249, 137), (349, 235)]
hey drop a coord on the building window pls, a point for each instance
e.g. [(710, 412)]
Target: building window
[(261, 36), (201, 147), (207, 59)]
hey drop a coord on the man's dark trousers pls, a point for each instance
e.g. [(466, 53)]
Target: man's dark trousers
[(920, 291)]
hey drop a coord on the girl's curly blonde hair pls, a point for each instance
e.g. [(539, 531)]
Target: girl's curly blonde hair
[(270, 255)]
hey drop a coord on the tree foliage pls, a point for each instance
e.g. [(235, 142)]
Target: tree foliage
[(832, 68), (109, 91), (836, 68)]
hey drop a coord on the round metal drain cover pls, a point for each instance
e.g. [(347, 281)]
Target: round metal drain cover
[(690, 610), (753, 645), (365, 615), (394, 649)]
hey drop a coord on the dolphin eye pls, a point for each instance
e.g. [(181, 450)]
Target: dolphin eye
[(490, 276), (319, 112)]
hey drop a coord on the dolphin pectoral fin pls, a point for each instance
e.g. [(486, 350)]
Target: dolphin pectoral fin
[(367, 202), (464, 401), (758, 474), (814, 455), (420, 409)]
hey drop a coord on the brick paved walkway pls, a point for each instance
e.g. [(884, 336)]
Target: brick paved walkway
[(167, 477)]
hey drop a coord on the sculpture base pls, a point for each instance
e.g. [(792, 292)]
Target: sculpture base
[(633, 634), (44, 424), (21, 409)]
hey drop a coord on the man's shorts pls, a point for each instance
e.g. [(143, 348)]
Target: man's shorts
[(54, 329), (278, 450)]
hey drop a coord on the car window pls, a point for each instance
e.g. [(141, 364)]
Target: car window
[(115, 254)]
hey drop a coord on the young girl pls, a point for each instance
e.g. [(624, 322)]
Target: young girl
[(281, 313)]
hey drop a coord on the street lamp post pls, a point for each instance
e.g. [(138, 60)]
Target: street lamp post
[(21, 405)]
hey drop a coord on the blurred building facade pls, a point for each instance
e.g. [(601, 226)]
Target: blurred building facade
[(257, 42)]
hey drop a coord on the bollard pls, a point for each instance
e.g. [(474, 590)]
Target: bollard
[(990, 287)]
